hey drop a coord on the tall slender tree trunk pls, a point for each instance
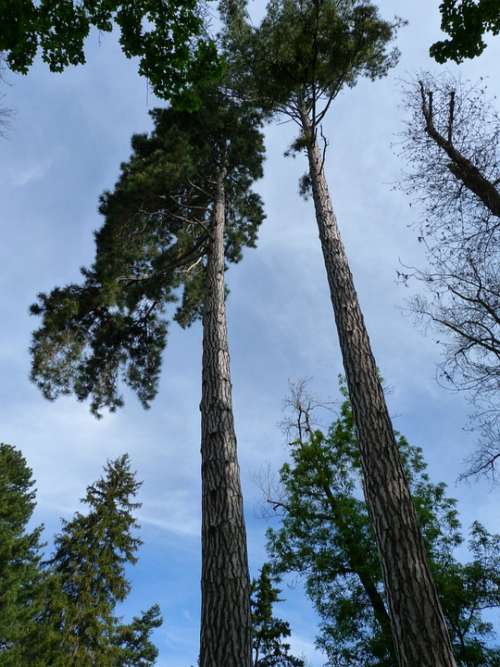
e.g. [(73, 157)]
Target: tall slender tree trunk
[(225, 639), (418, 624)]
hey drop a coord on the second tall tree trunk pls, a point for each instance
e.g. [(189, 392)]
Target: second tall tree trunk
[(225, 639), (418, 624)]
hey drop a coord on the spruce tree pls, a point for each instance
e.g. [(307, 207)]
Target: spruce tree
[(298, 60), (85, 580), (20, 555), (326, 537), (182, 209), (268, 632)]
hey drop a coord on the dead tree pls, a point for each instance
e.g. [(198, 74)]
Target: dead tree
[(451, 144)]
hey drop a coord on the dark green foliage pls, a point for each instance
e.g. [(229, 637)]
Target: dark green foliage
[(269, 633), (86, 579), (465, 22), (150, 252), (306, 51), (20, 554), (326, 536), (166, 36), (134, 640)]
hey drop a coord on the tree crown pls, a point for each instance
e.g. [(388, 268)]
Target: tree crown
[(326, 536), (150, 252), (305, 52)]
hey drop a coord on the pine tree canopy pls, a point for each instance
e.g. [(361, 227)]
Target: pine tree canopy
[(166, 36), (326, 536), (307, 51), (20, 554), (465, 22), (150, 252)]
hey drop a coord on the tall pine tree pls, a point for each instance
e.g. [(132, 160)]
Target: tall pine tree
[(299, 59), (182, 209)]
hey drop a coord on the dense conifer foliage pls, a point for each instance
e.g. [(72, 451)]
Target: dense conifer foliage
[(326, 537), (62, 611), (150, 253), (86, 580), (20, 556), (269, 633)]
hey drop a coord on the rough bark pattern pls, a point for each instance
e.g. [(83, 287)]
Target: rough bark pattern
[(225, 639), (418, 624)]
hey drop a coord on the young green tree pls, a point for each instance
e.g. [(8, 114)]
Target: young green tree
[(167, 36), (86, 580), (182, 209), (268, 632), (20, 556), (465, 22), (302, 55), (327, 537)]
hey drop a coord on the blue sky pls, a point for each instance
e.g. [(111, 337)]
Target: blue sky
[(65, 142)]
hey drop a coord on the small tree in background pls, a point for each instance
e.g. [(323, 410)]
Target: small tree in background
[(86, 580), (326, 536), (268, 632), (20, 556), (465, 22)]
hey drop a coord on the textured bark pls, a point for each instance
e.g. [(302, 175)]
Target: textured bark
[(418, 624), (225, 639)]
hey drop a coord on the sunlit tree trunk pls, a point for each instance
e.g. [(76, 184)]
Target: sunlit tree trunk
[(225, 619), (418, 625)]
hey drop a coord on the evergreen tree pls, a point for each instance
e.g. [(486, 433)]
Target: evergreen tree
[(134, 640), (299, 59), (182, 209), (268, 632), (20, 554), (327, 537), (86, 580), (465, 22)]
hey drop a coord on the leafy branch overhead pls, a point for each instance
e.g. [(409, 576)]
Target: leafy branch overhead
[(465, 22), (150, 254), (167, 36)]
